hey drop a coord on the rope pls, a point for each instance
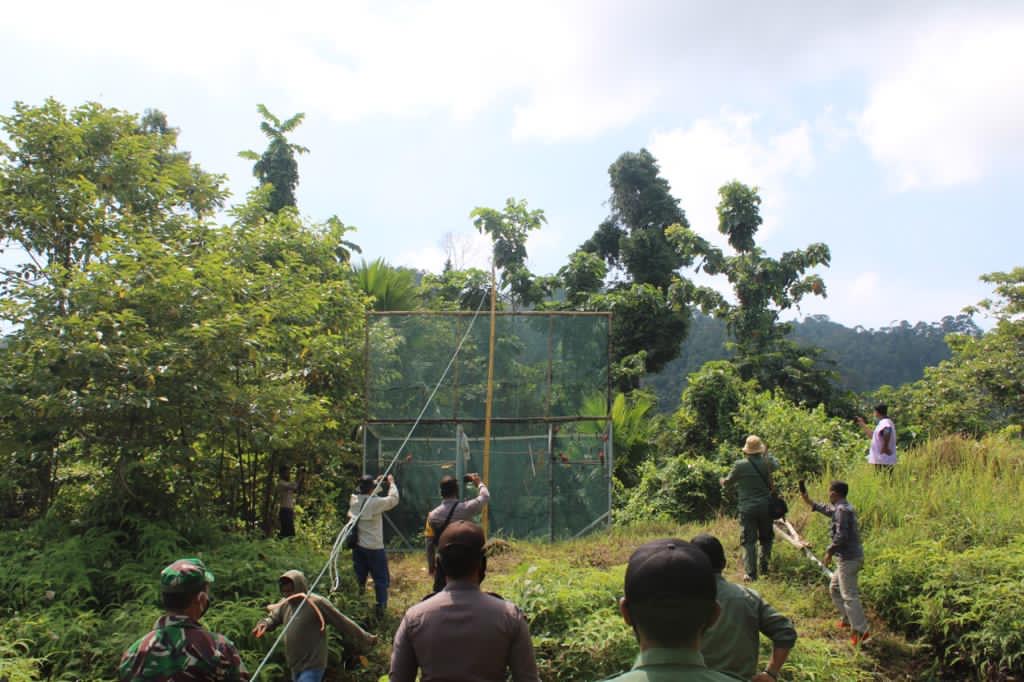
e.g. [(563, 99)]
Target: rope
[(346, 530)]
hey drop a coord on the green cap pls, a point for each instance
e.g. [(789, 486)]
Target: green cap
[(185, 575)]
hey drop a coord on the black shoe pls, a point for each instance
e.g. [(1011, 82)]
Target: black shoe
[(378, 612)]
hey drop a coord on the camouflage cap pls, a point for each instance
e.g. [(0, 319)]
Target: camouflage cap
[(185, 575)]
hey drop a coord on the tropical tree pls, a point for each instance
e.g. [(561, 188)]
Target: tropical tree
[(391, 288), (69, 178), (633, 234), (763, 287), (170, 364), (509, 230), (650, 323), (277, 165), (981, 388)]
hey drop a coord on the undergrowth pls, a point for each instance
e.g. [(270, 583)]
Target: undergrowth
[(941, 583)]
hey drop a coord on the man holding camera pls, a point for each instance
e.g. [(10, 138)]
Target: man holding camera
[(369, 556), (450, 510), (849, 554), (461, 632)]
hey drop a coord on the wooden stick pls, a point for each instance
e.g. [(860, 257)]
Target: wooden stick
[(785, 529)]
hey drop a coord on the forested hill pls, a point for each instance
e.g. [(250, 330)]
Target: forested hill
[(864, 358)]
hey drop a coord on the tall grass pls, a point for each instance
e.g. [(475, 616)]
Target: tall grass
[(943, 545)]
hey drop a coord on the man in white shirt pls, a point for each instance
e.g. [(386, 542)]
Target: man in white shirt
[(882, 451), (369, 556)]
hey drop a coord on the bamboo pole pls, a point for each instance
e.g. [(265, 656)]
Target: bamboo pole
[(489, 405)]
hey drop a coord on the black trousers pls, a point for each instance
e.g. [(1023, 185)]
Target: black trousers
[(287, 518)]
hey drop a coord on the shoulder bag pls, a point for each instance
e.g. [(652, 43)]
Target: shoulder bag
[(779, 506)]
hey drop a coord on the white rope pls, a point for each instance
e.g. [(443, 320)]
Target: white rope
[(346, 530)]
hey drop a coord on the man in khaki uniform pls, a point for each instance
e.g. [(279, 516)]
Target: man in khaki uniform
[(462, 633), (752, 477)]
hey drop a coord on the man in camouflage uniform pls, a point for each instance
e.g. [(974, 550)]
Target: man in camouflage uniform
[(178, 648)]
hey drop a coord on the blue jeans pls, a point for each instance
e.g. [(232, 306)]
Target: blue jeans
[(372, 562), (309, 676)]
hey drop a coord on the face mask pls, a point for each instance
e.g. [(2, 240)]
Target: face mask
[(209, 602)]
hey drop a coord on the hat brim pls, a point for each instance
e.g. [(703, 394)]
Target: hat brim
[(754, 451)]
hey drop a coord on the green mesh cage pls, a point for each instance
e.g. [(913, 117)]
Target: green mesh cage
[(550, 455)]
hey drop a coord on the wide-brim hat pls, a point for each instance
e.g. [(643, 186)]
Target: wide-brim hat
[(753, 446)]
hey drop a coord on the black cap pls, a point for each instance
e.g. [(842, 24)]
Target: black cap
[(710, 545), (367, 484), (462, 534), (669, 570)]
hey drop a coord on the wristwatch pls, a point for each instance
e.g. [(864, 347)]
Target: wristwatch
[(770, 674)]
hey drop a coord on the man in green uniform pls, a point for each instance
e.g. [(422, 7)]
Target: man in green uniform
[(178, 648), (752, 476), (731, 645), (670, 603)]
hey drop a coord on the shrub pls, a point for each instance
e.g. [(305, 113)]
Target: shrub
[(682, 489), (805, 441)]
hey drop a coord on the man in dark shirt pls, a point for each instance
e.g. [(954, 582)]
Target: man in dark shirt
[(849, 555), (450, 510)]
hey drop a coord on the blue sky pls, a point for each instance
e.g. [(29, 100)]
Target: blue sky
[(894, 132)]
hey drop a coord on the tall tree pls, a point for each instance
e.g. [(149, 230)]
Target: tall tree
[(763, 287), (509, 230), (650, 323), (186, 370), (633, 234), (71, 177), (277, 165)]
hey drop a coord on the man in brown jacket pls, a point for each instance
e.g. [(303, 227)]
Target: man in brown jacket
[(305, 642), (462, 633)]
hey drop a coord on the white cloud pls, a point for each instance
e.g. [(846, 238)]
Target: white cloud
[(701, 158), (952, 109), (946, 82), (569, 69), (428, 259), (864, 286)]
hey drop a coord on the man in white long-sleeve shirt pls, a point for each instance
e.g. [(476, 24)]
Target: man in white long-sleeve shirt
[(369, 556)]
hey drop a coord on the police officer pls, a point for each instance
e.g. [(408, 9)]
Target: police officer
[(461, 632), (178, 647)]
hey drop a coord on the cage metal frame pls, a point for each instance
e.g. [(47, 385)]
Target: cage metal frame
[(551, 422)]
